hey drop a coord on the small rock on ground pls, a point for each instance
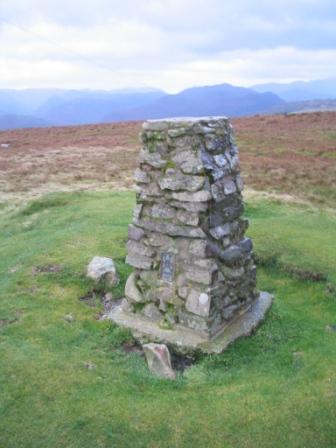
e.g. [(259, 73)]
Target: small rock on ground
[(69, 318), (102, 268), (158, 360)]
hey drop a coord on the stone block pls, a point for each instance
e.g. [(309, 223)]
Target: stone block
[(198, 196), (232, 255), (221, 160), (135, 233), (171, 229), (141, 176), (183, 291), (222, 188), (189, 218), (151, 189), (198, 303), (239, 183), (199, 275), (162, 210), (137, 211), (150, 278), (188, 162), (214, 143), (246, 245), (159, 240), (153, 159), (198, 248), (194, 207), (152, 312), (179, 181), (220, 232), (139, 261), (194, 322), (136, 248), (132, 292)]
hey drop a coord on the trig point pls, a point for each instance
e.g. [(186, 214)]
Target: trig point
[(194, 279)]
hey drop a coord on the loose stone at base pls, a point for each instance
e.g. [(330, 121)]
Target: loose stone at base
[(158, 360), (102, 269)]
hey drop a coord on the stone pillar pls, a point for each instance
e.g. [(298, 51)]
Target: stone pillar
[(193, 265)]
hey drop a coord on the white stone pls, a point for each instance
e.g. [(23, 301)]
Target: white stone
[(102, 268), (203, 299)]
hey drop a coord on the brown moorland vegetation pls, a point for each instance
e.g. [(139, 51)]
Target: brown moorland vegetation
[(293, 154)]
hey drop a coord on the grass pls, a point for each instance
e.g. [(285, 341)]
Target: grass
[(298, 238), (70, 384)]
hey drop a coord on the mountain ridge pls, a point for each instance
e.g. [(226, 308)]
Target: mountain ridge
[(301, 90), (62, 107)]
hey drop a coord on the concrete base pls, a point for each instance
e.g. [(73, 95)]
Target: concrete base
[(184, 339)]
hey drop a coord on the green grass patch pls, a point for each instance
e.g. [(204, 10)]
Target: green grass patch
[(295, 238), (70, 384), (44, 203)]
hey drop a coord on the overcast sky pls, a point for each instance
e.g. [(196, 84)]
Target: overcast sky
[(169, 44)]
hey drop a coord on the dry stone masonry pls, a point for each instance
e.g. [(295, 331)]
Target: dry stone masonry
[(194, 273)]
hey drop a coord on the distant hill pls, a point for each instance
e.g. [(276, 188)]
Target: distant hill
[(11, 121), (66, 107), (8, 103), (92, 107), (306, 106), (74, 107), (222, 99), (301, 90), (25, 101), (57, 107)]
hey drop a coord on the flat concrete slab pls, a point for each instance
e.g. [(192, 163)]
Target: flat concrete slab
[(185, 339)]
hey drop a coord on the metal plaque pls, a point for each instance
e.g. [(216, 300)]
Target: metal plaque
[(167, 266)]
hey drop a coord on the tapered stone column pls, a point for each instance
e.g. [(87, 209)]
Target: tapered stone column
[(194, 277)]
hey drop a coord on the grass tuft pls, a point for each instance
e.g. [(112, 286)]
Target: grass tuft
[(44, 203)]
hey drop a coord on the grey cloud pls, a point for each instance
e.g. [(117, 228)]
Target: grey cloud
[(169, 43), (221, 25)]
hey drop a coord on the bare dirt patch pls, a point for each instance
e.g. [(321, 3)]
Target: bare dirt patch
[(49, 269)]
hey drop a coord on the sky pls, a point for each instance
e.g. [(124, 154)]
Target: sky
[(166, 44)]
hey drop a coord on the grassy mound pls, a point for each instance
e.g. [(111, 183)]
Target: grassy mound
[(70, 383)]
